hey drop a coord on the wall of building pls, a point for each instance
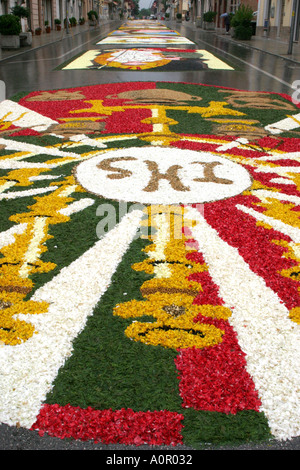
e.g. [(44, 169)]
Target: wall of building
[(278, 13), (49, 10), (3, 7)]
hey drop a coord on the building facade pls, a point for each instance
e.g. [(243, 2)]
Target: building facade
[(49, 10), (230, 6), (275, 18), (198, 7)]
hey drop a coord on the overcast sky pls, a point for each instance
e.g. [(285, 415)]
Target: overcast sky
[(145, 3)]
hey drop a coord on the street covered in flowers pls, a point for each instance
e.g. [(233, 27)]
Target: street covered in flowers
[(150, 253)]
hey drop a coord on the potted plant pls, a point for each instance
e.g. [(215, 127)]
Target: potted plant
[(20, 11), (241, 23), (81, 20), (25, 35), (208, 19), (57, 23), (38, 31), (178, 17), (93, 17), (167, 16), (48, 28), (10, 28)]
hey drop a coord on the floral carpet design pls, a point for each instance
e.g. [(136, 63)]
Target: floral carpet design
[(144, 40), (144, 33), (160, 57), (149, 289), (147, 59)]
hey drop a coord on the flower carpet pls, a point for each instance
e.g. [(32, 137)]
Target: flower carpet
[(144, 32), (149, 241), (147, 59), (165, 55)]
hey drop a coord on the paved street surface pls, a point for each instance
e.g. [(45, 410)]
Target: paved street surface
[(61, 60), (36, 69)]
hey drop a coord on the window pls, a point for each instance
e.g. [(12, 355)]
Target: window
[(234, 5)]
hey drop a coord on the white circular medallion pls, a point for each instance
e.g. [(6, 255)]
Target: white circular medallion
[(159, 175)]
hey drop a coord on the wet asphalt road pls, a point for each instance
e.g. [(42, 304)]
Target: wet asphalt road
[(23, 439), (254, 70), (36, 70)]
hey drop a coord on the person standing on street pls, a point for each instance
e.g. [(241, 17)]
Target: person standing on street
[(227, 24)]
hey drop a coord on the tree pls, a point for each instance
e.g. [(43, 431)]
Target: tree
[(136, 8), (20, 11), (144, 12)]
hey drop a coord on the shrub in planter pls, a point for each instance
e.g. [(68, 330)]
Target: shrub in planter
[(209, 16), (242, 32), (208, 20), (179, 17), (241, 22), (38, 31), (81, 20), (73, 21), (10, 28), (92, 15), (10, 25)]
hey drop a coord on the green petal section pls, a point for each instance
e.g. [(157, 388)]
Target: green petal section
[(108, 370)]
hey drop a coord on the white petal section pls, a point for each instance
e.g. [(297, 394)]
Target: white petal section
[(289, 230), (269, 338), (77, 206), (265, 194), (13, 112), (8, 237), (35, 149), (27, 193), (27, 371)]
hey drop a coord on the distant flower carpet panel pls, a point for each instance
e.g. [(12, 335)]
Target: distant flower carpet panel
[(147, 59), (149, 289)]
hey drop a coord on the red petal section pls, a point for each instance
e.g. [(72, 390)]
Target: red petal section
[(123, 426), (216, 379)]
